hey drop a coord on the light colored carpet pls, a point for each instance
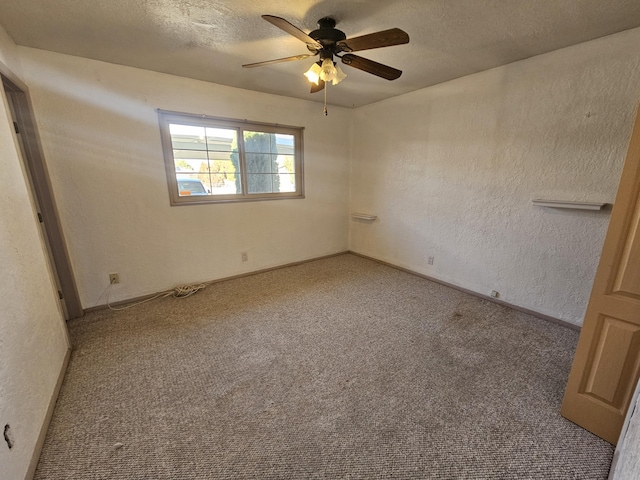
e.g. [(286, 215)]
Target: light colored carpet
[(338, 368)]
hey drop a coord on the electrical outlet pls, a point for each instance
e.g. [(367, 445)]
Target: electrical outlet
[(114, 278), (495, 294), (430, 261), (244, 256)]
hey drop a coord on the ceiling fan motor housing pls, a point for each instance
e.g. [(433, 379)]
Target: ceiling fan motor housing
[(327, 36)]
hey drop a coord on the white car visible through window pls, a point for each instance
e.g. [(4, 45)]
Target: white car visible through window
[(191, 186)]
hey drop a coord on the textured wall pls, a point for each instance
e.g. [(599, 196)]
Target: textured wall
[(100, 134), (451, 170), (626, 463), (33, 339)]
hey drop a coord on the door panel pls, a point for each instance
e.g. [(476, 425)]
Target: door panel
[(612, 366), (606, 366), (627, 277)]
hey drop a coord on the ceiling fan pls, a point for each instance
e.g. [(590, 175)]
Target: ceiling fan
[(329, 42)]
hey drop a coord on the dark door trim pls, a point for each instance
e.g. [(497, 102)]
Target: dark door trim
[(35, 165)]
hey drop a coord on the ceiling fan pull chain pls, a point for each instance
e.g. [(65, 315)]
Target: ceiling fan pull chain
[(326, 87)]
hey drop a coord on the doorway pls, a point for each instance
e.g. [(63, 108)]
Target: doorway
[(40, 185)]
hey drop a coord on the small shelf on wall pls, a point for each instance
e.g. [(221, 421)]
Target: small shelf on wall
[(364, 216), (539, 202)]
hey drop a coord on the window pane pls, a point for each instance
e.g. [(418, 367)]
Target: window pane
[(287, 182), (262, 183), (221, 176), (287, 164), (221, 139), (259, 142), (208, 152), (285, 144), (187, 137), (226, 187), (262, 169), (262, 163), (190, 185), (186, 161), (220, 157), (189, 154)]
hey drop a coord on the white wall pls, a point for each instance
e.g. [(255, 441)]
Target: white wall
[(626, 461), (100, 133), (33, 339), (451, 170)]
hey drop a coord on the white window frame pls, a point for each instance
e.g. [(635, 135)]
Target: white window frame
[(167, 117)]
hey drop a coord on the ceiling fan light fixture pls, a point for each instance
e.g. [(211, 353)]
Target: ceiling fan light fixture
[(340, 75), (330, 72), (314, 73)]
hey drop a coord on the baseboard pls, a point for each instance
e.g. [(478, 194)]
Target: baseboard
[(47, 419), (475, 294), (212, 282), (382, 262)]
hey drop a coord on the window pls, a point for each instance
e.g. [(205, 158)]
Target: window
[(210, 160)]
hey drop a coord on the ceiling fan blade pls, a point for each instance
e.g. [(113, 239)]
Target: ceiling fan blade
[(292, 30), (316, 88), (277, 60), (385, 38), (370, 66)]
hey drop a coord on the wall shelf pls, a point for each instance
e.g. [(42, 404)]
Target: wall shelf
[(364, 216), (568, 204)]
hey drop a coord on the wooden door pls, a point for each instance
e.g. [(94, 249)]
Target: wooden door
[(606, 366)]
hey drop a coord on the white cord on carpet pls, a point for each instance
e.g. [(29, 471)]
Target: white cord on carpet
[(181, 291), (187, 290)]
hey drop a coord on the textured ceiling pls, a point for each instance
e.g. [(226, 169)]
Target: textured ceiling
[(210, 39)]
